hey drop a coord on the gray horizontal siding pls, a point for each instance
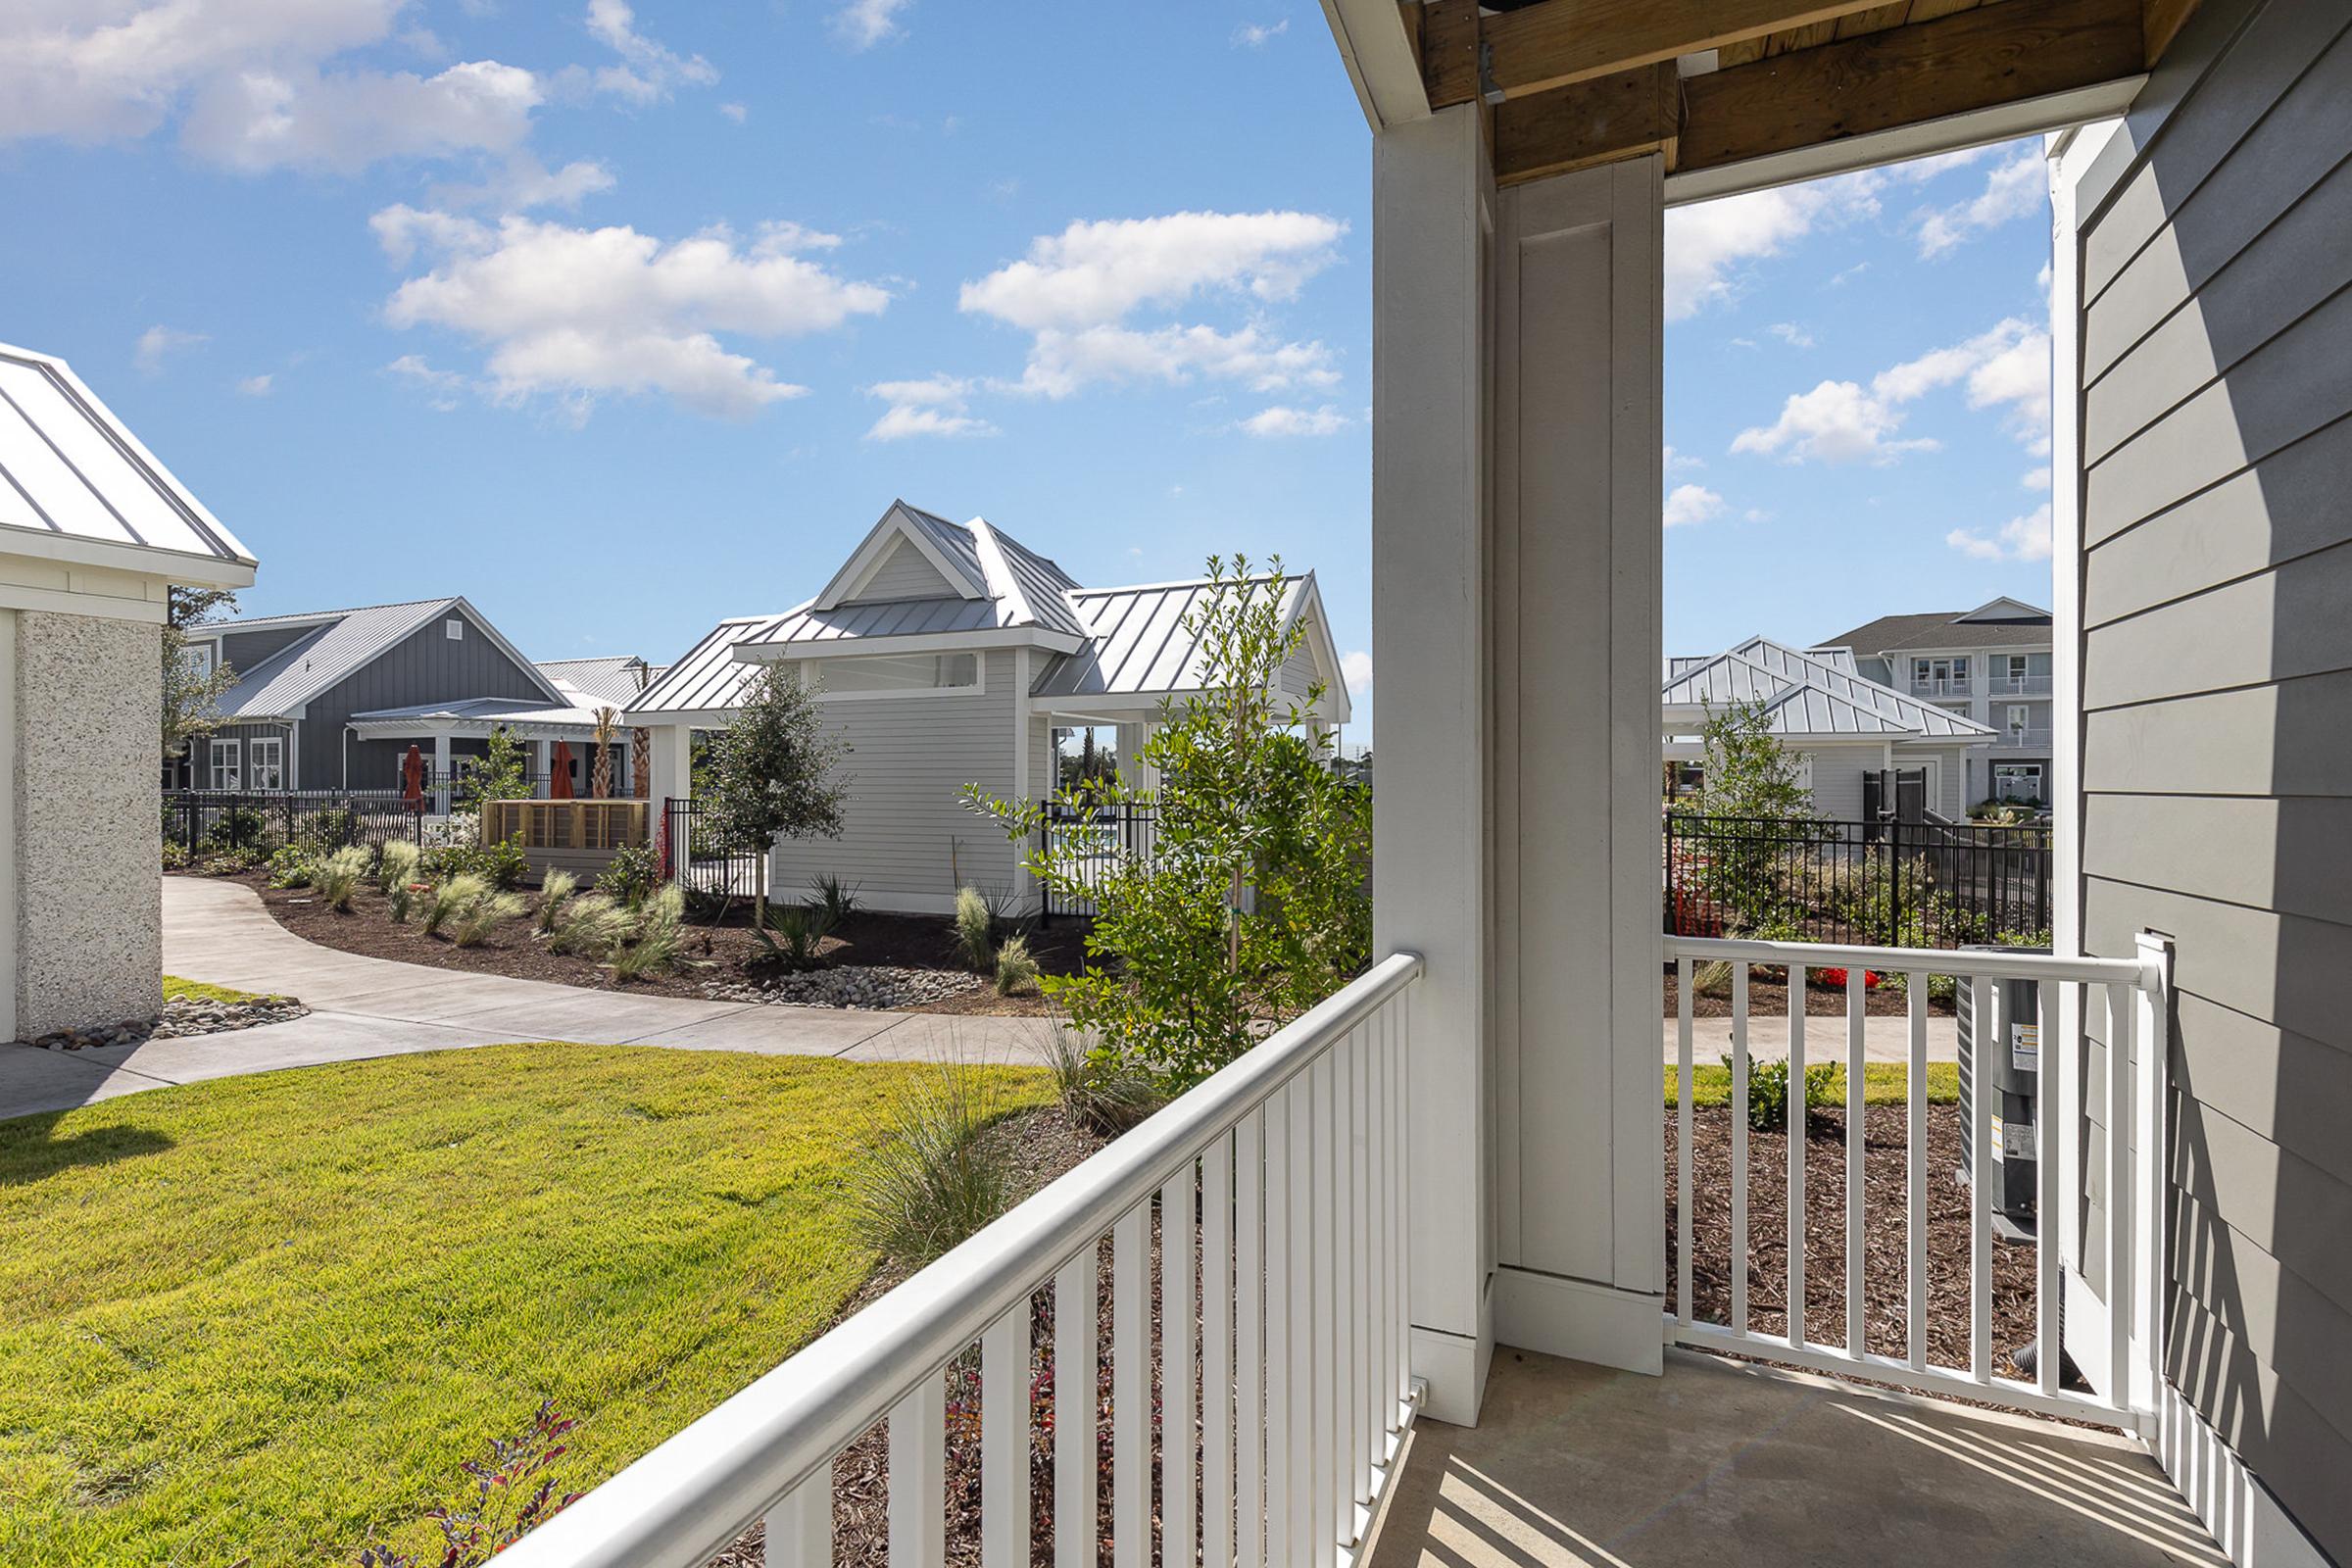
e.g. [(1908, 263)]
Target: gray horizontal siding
[(904, 574), (1838, 782), (906, 833), (2217, 699)]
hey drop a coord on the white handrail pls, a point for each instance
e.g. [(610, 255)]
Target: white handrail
[(1992, 963), (696, 1493)]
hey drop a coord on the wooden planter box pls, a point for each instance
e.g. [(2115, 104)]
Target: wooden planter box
[(576, 836)]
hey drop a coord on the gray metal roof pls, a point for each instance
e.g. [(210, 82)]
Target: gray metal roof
[(1137, 643), (709, 676), (614, 680), (955, 541), (520, 713), (69, 468), (339, 642), (1018, 588), (1808, 694)]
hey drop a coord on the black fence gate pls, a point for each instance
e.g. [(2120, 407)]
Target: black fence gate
[(197, 821), (1093, 839), (696, 850), (1888, 883)]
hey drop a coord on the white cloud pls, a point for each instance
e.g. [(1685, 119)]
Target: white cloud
[(524, 182), (1075, 292), (2018, 186), (647, 71), (1679, 462), (863, 24), (442, 388), (256, 386), (2025, 538), (1256, 35), (936, 405), (2035, 478), (1283, 421), (1355, 669), (2006, 367), (1691, 503), (735, 112), (159, 343), (1788, 332), (578, 312), (1709, 243)]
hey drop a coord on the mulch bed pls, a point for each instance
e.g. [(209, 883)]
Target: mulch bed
[(1885, 1241), (714, 953), (1768, 999)]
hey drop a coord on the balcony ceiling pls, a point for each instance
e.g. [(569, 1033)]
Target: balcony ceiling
[(1712, 83)]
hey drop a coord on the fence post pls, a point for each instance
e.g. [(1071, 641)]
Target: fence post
[(1894, 887), (1674, 893), (1045, 850)]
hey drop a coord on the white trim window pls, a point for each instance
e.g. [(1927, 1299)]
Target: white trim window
[(222, 757), (2017, 781), (265, 761), (867, 675), (198, 656)]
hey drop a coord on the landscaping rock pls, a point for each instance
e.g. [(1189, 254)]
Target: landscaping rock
[(878, 985), (180, 1018)]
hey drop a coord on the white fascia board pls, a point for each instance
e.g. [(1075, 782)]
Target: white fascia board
[(1382, 65), (1338, 706), (470, 728), (683, 717), (1056, 642), (2027, 116), (147, 561), (868, 558)]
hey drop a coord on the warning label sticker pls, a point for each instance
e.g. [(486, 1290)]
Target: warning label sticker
[(2024, 1046)]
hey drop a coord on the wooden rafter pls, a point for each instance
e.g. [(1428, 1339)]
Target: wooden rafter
[(1958, 64), (1513, 53)]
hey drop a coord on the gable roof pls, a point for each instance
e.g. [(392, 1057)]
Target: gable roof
[(1807, 694), (1945, 628), (76, 482), (1137, 644), (707, 677), (611, 681), (951, 550), (337, 643)]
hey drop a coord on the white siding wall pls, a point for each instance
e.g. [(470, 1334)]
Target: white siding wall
[(905, 836), (1299, 672), (1838, 780), (906, 574)]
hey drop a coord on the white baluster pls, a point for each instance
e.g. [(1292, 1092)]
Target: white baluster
[(1915, 1201), (1131, 1388), (2121, 1004), (1682, 1141), (1076, 1411), (1740, 1146), (1004, 1439), (1796, 1154), (1177, 1502), (1249, 1319), (1984, 1102), (2047, 1204), (918, 1477), (800, 1529), (1216, 1354), (1857, 1009)]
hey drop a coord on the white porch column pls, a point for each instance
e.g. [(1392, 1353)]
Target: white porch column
[(441, 791), (1431, 214), (542, 768)]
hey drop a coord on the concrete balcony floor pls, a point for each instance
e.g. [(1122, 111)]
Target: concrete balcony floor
[(1728, 1464)]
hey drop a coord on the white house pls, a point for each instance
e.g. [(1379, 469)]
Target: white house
[(1992, 663), (948, 654), (93, 533), (1840, 723)]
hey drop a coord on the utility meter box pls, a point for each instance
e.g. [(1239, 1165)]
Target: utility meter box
[(2008, 1049)]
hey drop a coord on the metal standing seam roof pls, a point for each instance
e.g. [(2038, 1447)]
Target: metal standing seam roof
[(1807, 696), (339, 642), (612, 679), (482, 709), (1136, 641), (1929, 719), (955, 540), (708, 676), (69, 467)]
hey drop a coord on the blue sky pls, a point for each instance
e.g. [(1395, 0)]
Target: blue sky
[(618, 321)]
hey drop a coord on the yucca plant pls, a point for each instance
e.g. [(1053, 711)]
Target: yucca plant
[(554, 889), (838, 902), (450, 898), (790, 935)]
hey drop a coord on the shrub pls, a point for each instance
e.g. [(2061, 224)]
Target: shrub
[(1768, 1091), (1016, 967), (340, 876), (241, 827), (398, 900), (451, 897), (507, 1492), (325, 831), (474, 922), (656, 949), (790, 935), (1099, 1089), (175, 857), (934, 1179), (839, 902), (591, 925), (397, 864), (554, 889), (631, 874), (975, 929), (291, 866)]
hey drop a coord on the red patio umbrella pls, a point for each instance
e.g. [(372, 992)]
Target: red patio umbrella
[(412, 779), (559, 767)]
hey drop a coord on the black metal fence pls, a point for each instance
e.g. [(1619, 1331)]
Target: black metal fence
[(696, 851), (197, 821), (1093, 839), (1885, 883)]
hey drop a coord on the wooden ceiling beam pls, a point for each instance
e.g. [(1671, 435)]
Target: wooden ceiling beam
[(1539, 47), (1587, 122), (2162, 24), (1976, 60)]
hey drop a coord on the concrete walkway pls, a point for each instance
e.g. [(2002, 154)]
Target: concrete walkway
[(360, 1008), (1883, 1039)]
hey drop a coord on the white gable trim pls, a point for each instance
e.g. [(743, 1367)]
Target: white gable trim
[(1991, 611), (858, 570), (1338, 705), (1058, 642)]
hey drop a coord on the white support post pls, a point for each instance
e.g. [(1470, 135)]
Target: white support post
[(2152, 1170), (1431, 191), (542, 768), (441, 792)]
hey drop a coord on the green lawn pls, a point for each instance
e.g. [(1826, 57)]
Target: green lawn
[(177, 989), (266, 1316), (1883, 1083)]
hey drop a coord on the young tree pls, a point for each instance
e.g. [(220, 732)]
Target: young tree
[(193, 700), (1752, 788), (1749, 772), (501, 774), (769, 773), (1248, 801)]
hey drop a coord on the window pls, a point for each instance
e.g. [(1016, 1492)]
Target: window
[(2017, 781), (199, 658), (1960, 671), (223, 771), (453, 631), (894, 674), (2018, 720), (266, 756), (2016, 666)]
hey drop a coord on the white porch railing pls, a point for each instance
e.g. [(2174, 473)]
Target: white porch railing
[(1290, 1165), (2128, 1099)]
